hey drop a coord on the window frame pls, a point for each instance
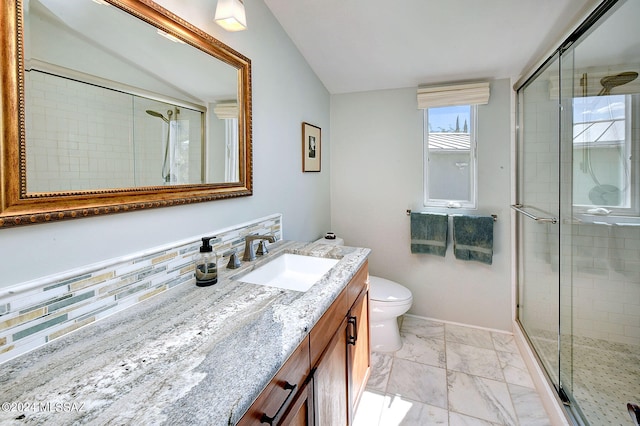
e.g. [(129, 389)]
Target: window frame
[(472, 203), (632, 207)]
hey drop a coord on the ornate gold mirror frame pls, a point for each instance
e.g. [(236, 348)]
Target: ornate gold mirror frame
[(20, 207)]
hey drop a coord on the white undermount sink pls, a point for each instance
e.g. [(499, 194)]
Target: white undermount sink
[(291, 272)]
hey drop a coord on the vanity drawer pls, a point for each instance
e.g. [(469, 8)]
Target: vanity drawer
[(283, 389)]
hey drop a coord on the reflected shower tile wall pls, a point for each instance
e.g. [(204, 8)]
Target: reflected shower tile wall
[(64, 151), (606, 282), (58, 305)]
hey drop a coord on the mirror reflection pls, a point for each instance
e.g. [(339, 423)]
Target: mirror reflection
[(605, 100), (113, 102)]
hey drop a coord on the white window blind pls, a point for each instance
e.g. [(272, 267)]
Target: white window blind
[(226, 110), (455, 94)]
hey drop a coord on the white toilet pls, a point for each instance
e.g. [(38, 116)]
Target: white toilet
[(387, 301)]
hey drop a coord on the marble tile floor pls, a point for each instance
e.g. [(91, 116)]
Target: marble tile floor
[(448, 374)]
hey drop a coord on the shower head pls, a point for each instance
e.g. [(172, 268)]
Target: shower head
[(610, 81), (157, 114)]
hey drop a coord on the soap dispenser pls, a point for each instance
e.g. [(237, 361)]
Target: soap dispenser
[(206, 264)]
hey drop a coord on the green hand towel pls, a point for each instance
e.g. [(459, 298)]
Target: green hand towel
[(429, 233), (473, 238)]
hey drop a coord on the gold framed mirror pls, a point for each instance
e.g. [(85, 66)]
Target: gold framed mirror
[(111, 106)]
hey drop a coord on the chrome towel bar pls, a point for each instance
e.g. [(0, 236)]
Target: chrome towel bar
[(494, 216), (519, 209)]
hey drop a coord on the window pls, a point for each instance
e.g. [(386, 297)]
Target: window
[(450, 166), (603, 179)]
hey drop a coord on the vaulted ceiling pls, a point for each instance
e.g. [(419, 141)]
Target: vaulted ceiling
[(361, 45)]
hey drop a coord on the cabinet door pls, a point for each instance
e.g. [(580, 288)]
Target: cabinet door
[(330, 381), (358, 349), (358, 283), (300, 413)]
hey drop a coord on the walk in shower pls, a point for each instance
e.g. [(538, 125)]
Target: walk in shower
[(578, 217)]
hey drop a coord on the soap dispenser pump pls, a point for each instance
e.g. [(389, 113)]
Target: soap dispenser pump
[(206, 264)]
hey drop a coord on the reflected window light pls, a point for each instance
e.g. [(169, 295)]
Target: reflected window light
[(170, 37)]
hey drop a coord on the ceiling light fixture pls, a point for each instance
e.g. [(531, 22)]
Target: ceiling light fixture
[(230, 15)]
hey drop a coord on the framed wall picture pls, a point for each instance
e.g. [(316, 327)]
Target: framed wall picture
[(311, 147)]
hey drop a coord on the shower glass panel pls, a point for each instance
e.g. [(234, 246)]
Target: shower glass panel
[(579, 161), (602, 105), (538, 194)]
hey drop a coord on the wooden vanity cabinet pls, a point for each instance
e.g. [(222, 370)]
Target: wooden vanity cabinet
[(342, 369), (329, 369)]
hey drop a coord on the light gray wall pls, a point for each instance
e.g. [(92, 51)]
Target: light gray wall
[(285, 93), (376, 161)]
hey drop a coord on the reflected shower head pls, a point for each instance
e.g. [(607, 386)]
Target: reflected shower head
[(157, 114), (610, 81)]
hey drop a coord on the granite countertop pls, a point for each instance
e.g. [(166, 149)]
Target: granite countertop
[(190, 355)]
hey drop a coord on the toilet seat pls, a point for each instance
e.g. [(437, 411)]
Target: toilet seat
[(388, 292)]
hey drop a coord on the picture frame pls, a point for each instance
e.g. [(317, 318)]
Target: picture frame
[(311, 147)]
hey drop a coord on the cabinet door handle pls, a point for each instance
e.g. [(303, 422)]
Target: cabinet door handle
[(272, 420), (353, 338)]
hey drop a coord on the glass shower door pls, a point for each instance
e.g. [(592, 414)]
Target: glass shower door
[(538, 210), (579, 162), (600, 233)]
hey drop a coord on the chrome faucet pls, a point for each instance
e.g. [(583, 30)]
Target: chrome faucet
[(249, 254)]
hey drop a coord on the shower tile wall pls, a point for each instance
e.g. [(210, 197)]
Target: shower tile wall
[(540, 262), (602, 292), (606, 275), (63, 151), (606, 282), (96, 146)]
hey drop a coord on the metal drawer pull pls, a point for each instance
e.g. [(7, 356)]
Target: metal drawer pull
[(271, 420), (353, 338), (518, 208)]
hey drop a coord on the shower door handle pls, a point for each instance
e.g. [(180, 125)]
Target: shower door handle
[(519, 209)]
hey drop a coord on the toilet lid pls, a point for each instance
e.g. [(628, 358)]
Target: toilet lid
[(387, 291)]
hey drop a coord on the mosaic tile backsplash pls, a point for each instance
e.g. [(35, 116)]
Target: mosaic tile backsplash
[(54, 306)]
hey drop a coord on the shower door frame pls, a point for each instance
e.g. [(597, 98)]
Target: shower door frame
[(564, 220)]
